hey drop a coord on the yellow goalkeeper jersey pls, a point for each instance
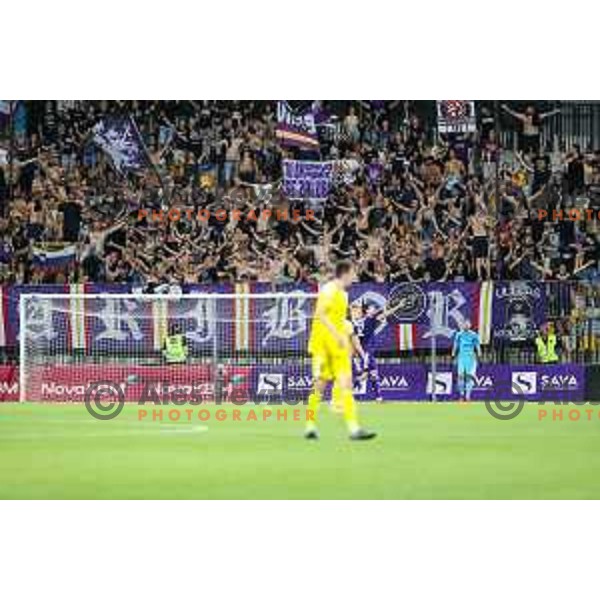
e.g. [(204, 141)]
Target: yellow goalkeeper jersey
[(333, 301)]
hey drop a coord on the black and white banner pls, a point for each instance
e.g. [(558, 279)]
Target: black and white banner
[(456, 116)]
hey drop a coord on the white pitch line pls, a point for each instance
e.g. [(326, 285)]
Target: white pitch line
[(6, 435), (184, 429)]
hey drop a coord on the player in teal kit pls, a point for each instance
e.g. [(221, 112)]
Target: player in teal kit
[(466, 351)]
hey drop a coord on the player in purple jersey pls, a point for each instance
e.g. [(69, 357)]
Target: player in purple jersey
[(367, 319)]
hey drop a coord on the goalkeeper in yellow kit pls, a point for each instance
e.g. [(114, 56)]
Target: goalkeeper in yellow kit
[(331, 350)]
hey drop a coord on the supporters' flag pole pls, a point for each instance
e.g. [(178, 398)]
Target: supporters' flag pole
[(147, 153)]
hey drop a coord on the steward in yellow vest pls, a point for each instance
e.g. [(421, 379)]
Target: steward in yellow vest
[(175, 349), (545, 344)]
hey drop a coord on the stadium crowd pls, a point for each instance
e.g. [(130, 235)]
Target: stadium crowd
[(416, 206)]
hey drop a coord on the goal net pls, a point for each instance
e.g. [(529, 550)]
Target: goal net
[(210, 347)]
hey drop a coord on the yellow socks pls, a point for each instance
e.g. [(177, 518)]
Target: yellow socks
[(342, 400), (336, 401), (314, 401), (347, 400)]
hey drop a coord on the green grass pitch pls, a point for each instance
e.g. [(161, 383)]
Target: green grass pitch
[(424, 451)]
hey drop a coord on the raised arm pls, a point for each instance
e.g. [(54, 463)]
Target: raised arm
[(584, 267), (524, 164), (516, 261), (513, 113), (531, 199), (416, 189), (549, 113)]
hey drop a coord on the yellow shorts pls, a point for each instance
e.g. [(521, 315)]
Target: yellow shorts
[(329, 366)]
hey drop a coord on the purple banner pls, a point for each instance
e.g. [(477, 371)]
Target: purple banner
[(294, 383), (297, 130), (306, 179), (415, 383), (524, 382), (444, 308), (279, 325), (519, 309)]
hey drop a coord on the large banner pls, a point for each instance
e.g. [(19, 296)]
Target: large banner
[(274, 325), (307, 179)]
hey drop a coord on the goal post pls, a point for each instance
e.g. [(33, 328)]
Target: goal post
[(251, 346)]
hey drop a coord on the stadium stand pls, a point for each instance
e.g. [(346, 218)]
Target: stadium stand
[(105, 197), (409, 205)]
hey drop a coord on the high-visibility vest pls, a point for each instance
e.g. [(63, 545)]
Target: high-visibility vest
[(546, 349), (175, 348)]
